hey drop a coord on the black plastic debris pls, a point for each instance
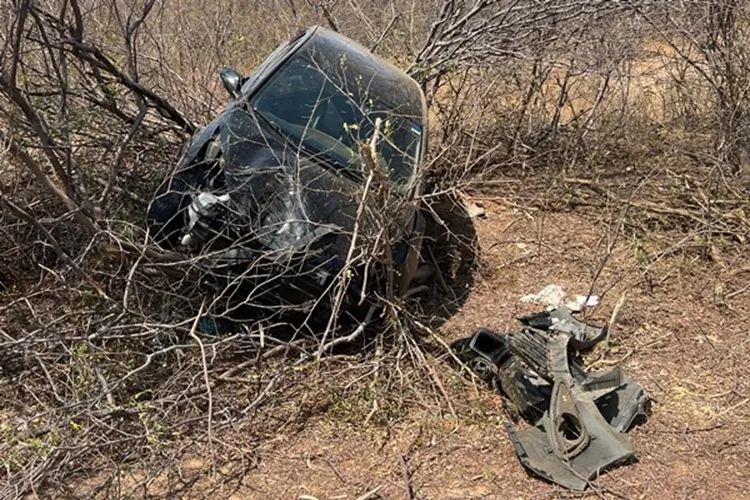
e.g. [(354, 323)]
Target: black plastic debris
[(578, 420)]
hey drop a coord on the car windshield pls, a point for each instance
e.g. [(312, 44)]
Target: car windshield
[(334, 111)]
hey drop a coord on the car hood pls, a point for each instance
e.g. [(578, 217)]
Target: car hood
[(289, 199)]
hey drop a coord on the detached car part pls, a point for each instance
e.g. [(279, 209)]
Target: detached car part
[(269, 194), (579, 419)]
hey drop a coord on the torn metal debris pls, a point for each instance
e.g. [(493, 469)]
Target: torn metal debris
[(579, 419)]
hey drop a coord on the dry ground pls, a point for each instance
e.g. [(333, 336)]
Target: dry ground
[(681, 332)]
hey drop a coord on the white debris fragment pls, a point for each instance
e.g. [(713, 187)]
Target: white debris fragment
[(550, 295), (582, 301), (473, 208), (554, 296)]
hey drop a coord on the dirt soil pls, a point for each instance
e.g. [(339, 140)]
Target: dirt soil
[(681, 332)]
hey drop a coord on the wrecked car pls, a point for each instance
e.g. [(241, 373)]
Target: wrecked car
[(279, 194), (578, 420)]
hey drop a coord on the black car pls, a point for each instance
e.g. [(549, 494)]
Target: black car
[(270, 196)]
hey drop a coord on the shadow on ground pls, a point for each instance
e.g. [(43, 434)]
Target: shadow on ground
[(451, 249)]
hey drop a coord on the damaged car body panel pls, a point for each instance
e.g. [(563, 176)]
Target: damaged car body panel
[(578, 420), (277, 178)]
